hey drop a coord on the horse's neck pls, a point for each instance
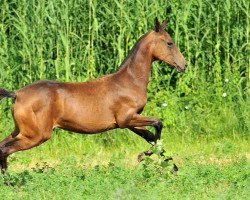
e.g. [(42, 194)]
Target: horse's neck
[(136, 67)]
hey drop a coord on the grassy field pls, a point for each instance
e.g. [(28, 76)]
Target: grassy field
[(73, 166), (205, 110), (66, 168)]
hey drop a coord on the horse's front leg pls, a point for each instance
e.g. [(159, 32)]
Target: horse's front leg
[(137, 124), (148, 136)]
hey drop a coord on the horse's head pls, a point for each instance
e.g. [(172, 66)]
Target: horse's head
[(165, 48)]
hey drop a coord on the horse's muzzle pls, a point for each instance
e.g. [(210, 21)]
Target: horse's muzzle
[(181, 69)]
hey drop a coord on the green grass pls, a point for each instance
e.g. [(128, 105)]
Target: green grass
[(205, 111), (208, 169), (195, 181)]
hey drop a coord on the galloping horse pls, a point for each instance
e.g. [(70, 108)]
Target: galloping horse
[(112, 101)]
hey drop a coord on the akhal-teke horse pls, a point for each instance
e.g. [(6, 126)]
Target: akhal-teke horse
[(113, 101)]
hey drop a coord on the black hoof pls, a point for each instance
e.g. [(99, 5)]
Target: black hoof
[(175, 168), (140, 157), (162, 153), (168, 159)]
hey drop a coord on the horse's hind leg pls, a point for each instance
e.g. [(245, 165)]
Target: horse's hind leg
[(19, 143), (3, 161), (3, 157), (26, 136), (148, 136)]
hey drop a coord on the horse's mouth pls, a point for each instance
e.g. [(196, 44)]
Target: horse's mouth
[(179, 69)]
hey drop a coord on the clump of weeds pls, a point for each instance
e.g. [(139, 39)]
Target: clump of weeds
[(158, 163)]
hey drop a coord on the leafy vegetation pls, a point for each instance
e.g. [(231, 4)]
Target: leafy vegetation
[(207, 170), (205, 110)]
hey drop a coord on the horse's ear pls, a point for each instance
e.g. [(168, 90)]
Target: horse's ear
[(164, 24), (160, 27), (157, 25)]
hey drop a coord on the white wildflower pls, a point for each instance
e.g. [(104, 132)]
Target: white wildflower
[(224, 94), (164, 104), (159, 142), (226, 80), (186, 107)]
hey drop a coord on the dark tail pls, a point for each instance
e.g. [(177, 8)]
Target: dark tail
[(5, 93)]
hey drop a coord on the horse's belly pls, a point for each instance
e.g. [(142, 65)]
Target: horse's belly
[(88, 130), (86, 125)]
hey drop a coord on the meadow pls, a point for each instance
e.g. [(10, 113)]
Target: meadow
[(205, 110)]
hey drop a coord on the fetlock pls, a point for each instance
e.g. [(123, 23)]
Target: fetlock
[(1, 154), (3, 161)]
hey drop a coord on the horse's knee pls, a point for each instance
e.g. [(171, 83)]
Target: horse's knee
[(158, 126)]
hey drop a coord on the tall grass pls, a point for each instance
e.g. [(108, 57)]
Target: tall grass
[(79, 40)]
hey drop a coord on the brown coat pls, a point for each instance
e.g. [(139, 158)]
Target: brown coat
[(112, 101)]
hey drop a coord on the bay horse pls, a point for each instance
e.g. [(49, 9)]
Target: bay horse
[(112, 101)]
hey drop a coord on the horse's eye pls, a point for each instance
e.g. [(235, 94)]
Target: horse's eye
[(170, 44)]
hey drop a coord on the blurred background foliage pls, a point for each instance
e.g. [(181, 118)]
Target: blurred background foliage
[(78, 40)]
